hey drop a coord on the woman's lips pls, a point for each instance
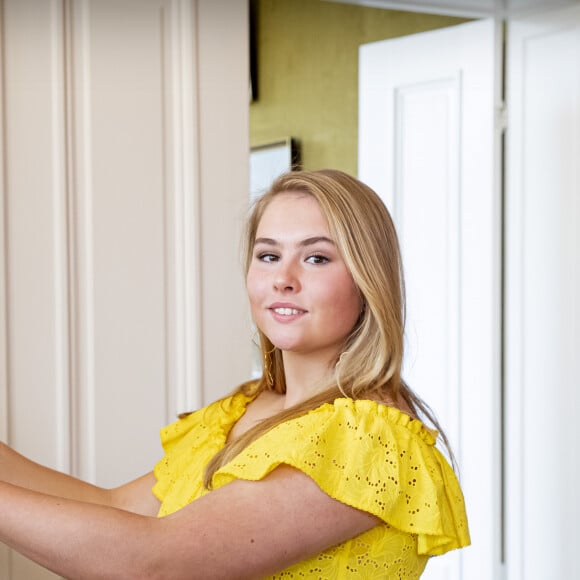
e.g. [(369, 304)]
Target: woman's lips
[(286, 312)]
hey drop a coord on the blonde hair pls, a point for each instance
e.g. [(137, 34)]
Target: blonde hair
[(369, 364)]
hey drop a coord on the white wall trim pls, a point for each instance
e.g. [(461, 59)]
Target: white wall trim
[(465, 8), (81, 241), (5, 553), (482, 9), (4, 373), (60, 232), (184, 245), (498, 308)]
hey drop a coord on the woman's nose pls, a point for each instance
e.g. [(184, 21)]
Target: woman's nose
[(286, 278)]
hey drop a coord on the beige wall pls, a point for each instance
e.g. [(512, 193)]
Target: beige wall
[(121, 291), (307, 71)]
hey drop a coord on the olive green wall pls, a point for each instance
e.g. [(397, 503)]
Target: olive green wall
[(307, 73)]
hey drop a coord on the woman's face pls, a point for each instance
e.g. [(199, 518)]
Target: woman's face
[(301, 294)]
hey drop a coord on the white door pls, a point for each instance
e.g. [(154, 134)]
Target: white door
[(426, 143), (543, 290)]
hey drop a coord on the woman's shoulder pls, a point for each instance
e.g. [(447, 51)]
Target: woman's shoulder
[(369, 415), (344, 432), (219, 415)]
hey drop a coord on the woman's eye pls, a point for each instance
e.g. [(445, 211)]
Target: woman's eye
[(317, 259), (267, 257)]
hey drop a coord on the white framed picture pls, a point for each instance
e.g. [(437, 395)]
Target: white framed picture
[(268, 161)]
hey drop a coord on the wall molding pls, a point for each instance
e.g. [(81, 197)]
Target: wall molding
[(181, 201), (80, 237), (60, 190), (185, 392), (466, 8), (4, 372), (5, 553), (447, 90)]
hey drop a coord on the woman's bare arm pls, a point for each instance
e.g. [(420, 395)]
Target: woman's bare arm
[(242, 530), (22, 472)]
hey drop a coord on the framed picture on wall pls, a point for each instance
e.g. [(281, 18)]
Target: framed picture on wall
[(270, 160)]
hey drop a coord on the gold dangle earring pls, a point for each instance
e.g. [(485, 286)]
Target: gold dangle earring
[(268, 367)]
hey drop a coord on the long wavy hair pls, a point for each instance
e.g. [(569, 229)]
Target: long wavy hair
[(369, 364)]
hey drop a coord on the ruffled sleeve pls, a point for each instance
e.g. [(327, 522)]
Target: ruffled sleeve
[(189, 444), (372, 457)]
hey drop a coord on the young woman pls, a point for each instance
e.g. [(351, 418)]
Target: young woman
[(320, 469)]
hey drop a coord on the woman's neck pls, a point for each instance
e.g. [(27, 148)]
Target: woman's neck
[(304, 375)]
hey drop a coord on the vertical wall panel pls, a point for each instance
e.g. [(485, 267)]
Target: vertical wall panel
[(38, 396), (426, 206), (3, 250), (119, 229), (36, 229), (4, 553), (223, 131), (102, 253), (543, 285), (137, 309)]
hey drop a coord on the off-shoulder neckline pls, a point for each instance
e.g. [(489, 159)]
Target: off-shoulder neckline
[(391, 414)]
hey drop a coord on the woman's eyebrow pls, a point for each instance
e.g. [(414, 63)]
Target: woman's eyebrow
[(267, 241), (315, 240), (306, 242)]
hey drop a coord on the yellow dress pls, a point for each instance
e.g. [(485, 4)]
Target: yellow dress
[(362, 453)]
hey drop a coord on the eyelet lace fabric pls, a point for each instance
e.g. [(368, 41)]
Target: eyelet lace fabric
[(362, 453)]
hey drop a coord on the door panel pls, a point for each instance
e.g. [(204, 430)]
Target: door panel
[(543, 285), (426, 143)]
